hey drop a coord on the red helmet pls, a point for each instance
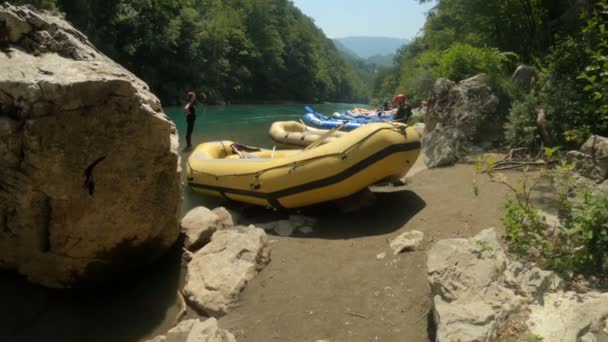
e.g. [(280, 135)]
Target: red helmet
[(400, 98)]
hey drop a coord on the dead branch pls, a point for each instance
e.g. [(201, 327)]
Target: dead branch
[(183, 307), (356, 314)]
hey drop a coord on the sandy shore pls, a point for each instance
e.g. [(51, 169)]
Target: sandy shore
[(326, 285)]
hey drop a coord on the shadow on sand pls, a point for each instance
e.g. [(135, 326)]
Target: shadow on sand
[(130, 310), (389, 213)]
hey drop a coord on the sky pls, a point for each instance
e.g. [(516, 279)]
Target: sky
[(374, 18)]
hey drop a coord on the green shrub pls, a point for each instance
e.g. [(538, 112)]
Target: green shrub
[(595, 75), (574, 81), (578, 245), (462, 60), (521, 129)]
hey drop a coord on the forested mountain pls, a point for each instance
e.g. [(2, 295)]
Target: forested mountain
[(566, 41), (366, 47), (231, 50)]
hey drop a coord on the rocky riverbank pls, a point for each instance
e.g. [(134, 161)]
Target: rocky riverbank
[(398, 264)]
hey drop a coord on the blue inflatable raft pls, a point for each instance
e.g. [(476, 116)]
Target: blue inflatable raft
[(322, 121)]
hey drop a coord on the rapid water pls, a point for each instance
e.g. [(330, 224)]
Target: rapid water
[(245, 124)]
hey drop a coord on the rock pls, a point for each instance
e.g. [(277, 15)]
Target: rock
[(458, 115), (469, 304), (305, 230), (200, 223), (603, 187), (227, 218), (566, 316), (381, 256), (90, 181), (284, 228), (585, 166), (551, 221), (220, 271), (419, 128), (524, 75), (408, 241), (597, 148), (531, 281), (444, 146), (195, 330)]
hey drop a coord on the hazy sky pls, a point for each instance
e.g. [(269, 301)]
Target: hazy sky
[(385, 18)]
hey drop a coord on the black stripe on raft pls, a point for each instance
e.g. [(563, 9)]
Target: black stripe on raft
[(273, 197)]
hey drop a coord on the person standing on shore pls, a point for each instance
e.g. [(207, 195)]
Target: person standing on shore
[(190, 110)]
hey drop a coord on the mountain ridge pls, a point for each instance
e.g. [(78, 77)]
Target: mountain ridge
[(369, 46)]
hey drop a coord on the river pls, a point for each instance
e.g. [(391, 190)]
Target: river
[(245, 124)]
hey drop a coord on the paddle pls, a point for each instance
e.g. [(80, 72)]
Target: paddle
[(325, 136)]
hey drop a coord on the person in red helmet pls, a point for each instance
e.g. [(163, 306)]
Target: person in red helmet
[(404, 109)]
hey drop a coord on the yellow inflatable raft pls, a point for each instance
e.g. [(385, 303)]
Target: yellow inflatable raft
[(299, 178), (292, 133)]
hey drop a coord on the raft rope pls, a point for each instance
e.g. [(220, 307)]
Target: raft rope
[(342, 155)]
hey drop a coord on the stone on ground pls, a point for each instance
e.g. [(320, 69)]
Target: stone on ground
[(586, 166), (459, 114), (200, 223), (195, 330), (567, 316), (90, 180), (468, 303), (477, 291), (407, 241), (419, 128), (597, 148), (220, 271), (295, 223)]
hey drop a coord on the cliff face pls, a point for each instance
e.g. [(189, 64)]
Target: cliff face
[(89, 170)]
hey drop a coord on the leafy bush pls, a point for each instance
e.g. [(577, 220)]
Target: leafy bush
[(578, 245), (595, 75), (462, 60), (574, 81), (521, 129)]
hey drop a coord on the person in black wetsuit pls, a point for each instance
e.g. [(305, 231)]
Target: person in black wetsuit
[(404, 111), (190, 110)]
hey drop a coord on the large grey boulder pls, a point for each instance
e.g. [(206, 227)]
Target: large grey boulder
[(597, 147), (220, 271), (464, 113), (468, 302), (194, 330), (444, 146), (585, 166), (591, 161), (89, 173), (477, 291), (569, 316), (524, 75), (200, 223)]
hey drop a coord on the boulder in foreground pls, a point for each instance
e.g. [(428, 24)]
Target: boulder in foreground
[(480, 295), (194, 330), (219, 271), (90, 180), (200, 223)]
